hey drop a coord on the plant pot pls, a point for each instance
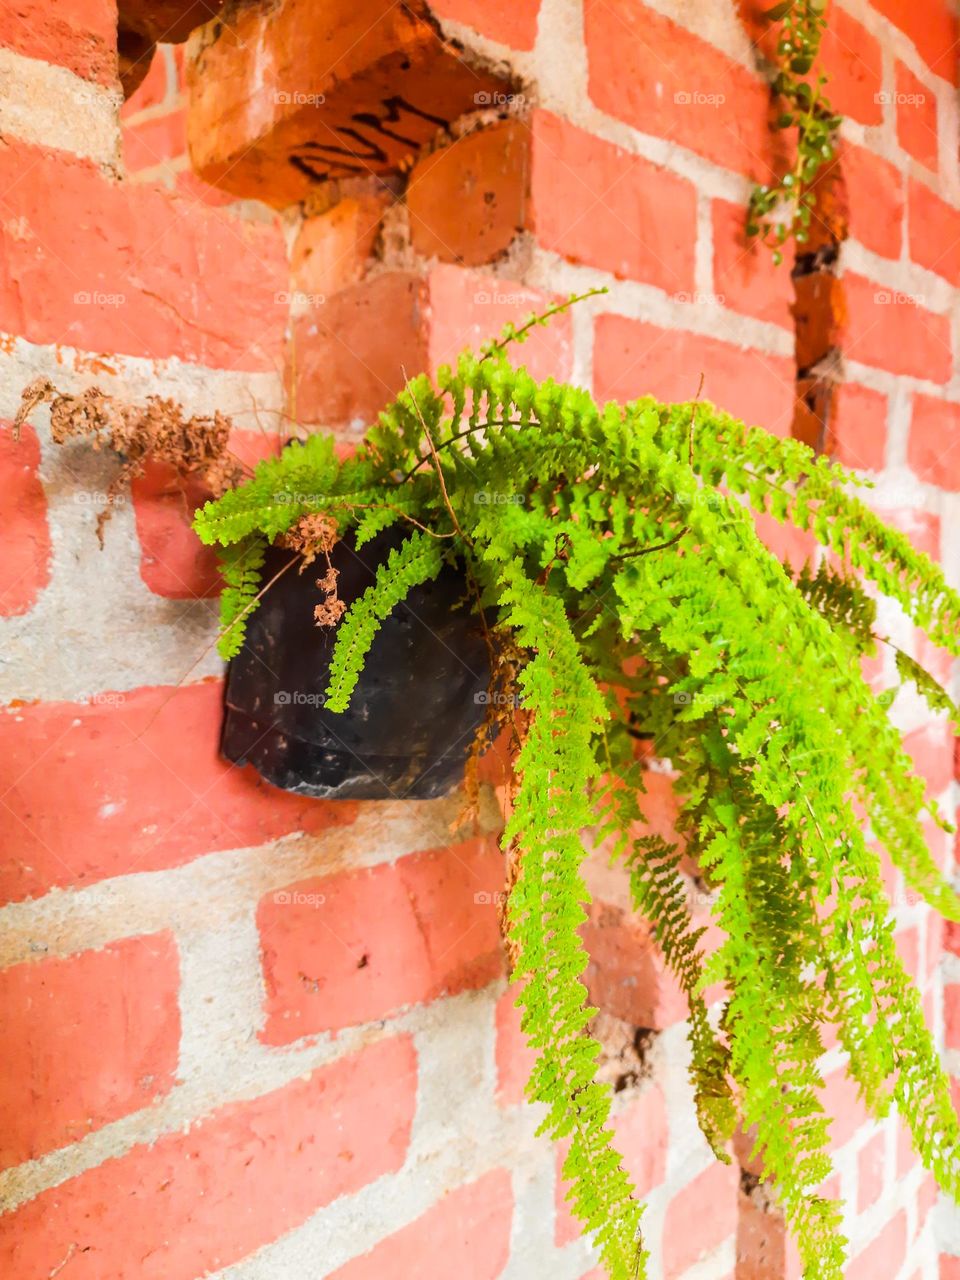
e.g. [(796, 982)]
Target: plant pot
[(413, 714)]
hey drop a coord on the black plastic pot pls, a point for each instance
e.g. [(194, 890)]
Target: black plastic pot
[(413, 715)]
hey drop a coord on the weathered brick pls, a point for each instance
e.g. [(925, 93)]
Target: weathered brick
[(700, 1218), (514, 1057), (852, 61), (360, 945), (883, 1257), (81, 35), (25, 566), (934, 232), (661, 78), (951, 1014), (600, 205), (353, 352), (90, 1038), (248, 1173), (949, 1267), (467, 1233), (155, 87), (332, 250), (512, 22), (634, 358), (921, 527), (134, 269), (764, 1248), (147, 143), (281, 100), (916, 117), (932, 26), (173, 561), (931, 751), (844, 1106), (139, 786), (875, 200), (895, 331), (933, 446), (858, 427), (642, 1134), (871, 1161), (467, 201), (745, 278)]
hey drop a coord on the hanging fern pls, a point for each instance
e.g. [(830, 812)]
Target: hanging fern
[(614, 554)]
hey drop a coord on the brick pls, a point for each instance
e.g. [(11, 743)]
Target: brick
[(90, 1038), (931, 750), (641, 1136), (933, 446), (469, 200), (949, 1267), (745, 278), (173, 561), (921, 527), (951, 1014), (927, 1197), (25, 566), (168, 20), (908, 947), (894, 331), (152, 91), (467, 308), (513, 1056), (512, 22), (762, 1242), (353, 352), (597, 204), (81, 36), (931, 26), (875, 198), (819, 313), (916, 117), (241, 1177), (469, 1229), (133, 270), (858, 427), (844, 1106), (852, 61), (634, 358), (282, 100), (934, 232), (883, 1258), (870, 1172), (357, 946), (332, 250), (700, 1218), (661, 78), (139, 786), (148, 143)]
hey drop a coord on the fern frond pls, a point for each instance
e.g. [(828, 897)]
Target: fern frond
[(240, 566)]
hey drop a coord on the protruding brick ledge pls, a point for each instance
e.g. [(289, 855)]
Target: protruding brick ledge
[(283, 100)]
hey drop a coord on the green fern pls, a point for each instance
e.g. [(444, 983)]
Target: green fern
[(240, 565), (615, 551)]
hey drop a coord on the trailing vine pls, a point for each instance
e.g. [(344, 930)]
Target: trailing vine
[(784, 208), (614, 553)]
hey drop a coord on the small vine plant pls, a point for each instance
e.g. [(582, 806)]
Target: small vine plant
[(613, 553)]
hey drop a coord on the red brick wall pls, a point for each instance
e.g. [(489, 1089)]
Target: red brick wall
[(255, 1035)]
